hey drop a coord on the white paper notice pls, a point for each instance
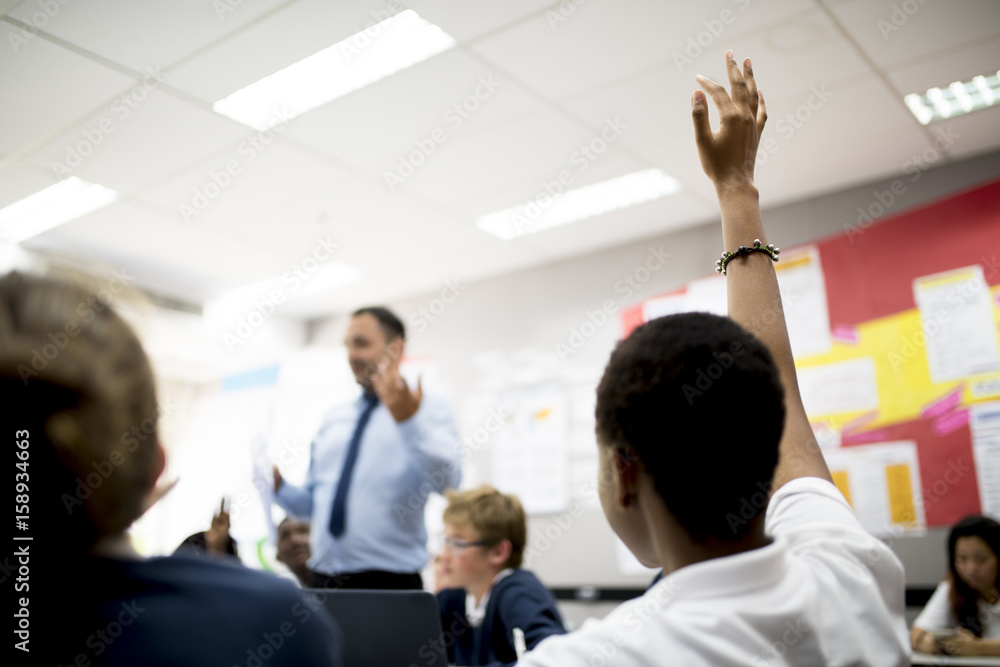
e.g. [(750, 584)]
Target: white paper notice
[(708, 295), (803, 298), (661, 306), (263, 481), (985, 427), (531, 454), (845, 386), (882, 483), (958, 326)]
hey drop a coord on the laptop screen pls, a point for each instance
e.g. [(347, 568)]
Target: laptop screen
[(385, 628)]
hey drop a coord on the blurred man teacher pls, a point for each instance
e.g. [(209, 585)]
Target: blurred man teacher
[(373, 463)]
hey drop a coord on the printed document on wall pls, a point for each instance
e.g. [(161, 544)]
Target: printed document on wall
[(958, 326), (531, 453), (882, 484), (843, 386), (985, 427), (803, 299)]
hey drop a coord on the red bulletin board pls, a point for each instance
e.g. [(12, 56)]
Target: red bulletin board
[(869, 273)]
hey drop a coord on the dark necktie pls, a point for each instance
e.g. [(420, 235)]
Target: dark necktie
[(338, 516)]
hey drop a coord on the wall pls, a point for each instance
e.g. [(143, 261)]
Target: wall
[(536, 309)]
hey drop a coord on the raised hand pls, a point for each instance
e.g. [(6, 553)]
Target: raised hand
[(217, 536), (394, 393), (728, 155)]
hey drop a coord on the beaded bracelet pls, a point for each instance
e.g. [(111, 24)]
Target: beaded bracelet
[(769, 250)]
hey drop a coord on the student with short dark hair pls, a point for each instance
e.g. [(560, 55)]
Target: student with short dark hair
[(87, 427), (496, 603), (797, 581), (215, 542), (966, 604), (293, 548)]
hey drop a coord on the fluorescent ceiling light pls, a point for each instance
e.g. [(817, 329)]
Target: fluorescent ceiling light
[(961, 97), (294, 284), (546, 211), (380, 51), (51, 207)]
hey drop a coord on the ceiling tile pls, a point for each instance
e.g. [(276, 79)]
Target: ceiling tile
[(892, 32), (16, 183), (469, 20), (237, 183), (47, 88), (140, 33), (133, 145), (807, 150), (645, 220), (542, 142), (427, 107), (299, 30), (563, 52), (110, 233), (961, 65)]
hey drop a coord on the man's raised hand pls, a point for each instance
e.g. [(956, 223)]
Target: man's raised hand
[(394, 393)]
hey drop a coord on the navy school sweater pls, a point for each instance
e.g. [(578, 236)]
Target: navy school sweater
[(517, 601)]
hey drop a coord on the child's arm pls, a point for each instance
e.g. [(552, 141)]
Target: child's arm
[(727, 157)]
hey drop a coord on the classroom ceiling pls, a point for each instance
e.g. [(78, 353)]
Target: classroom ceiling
[(132, 84)]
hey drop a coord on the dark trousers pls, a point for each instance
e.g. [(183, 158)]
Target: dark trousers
[(369, 580)]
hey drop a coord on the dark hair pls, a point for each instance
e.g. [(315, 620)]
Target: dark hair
[(964, 598), (196, 544), (391, 325), (699, 400), (290, 519)]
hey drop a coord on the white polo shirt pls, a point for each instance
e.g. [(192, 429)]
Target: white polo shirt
[(938, 614), (825, 592)]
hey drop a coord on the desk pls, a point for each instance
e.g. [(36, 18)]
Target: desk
[(977, 661)]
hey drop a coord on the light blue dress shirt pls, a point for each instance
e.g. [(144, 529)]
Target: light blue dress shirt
[(399, 465)]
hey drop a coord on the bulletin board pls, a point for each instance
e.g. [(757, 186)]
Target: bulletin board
[(894, 328)]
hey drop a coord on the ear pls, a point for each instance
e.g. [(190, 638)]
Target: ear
[(395, 349), (625, 468), (499, 554)]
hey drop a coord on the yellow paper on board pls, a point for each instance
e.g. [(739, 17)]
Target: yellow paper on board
[(840, 480), (901, 507)]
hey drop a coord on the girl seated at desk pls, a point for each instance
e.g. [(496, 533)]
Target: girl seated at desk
[(967, 602)]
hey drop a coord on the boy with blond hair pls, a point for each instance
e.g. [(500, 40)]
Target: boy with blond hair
[(495, 603)]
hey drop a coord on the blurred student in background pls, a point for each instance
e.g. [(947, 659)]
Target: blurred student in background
[(293, 548), (89, 476), (965, 609), (494, 605), (216, 541)]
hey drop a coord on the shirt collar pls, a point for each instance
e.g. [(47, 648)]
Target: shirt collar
[(730, 575), (476, 613)]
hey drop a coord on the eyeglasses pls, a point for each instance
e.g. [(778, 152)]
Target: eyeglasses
[(456, 545)]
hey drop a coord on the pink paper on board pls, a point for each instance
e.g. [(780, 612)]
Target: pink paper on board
[(950, 423), (844, 333), (878, 435), (944, 405)]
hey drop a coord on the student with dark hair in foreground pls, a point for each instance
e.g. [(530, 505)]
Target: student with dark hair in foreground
[(495, 607), (87, 440), (799, 582), (965, 608)]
